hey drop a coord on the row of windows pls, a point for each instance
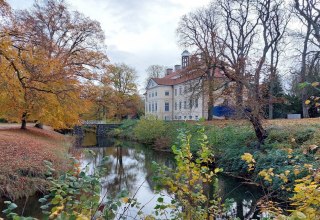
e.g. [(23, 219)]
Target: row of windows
[(185, 90), (186, 117), (153, 107), (154, 94), (192, 103), (182, 90)]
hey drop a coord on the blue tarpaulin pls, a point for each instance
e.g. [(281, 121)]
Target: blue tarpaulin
[(220, 111)]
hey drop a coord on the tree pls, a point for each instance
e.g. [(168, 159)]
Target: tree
[(308, 13), (242, 34), (52, 51), (240, 48), (154, 71), (125, 98), (275, 95), (198, 30)]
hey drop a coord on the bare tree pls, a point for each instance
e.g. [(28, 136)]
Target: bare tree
[(154, 71), (308, 11), (198, 31), (243, 63), (241, 30)]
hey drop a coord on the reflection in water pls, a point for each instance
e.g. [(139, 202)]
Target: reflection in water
[(129, 168)]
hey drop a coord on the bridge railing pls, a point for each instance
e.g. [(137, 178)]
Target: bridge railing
[(93, 122)]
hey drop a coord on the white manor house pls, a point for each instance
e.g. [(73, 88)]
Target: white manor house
[(171, 97)]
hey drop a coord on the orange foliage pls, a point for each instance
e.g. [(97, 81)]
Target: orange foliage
[(48, 56)]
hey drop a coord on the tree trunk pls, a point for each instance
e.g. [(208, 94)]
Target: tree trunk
[(24, 120), (272, 84), (239, 99), (270, 109), (303, 73), (260, 132), (210, 91)]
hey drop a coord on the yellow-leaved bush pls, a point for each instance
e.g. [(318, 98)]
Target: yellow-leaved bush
[(306, 191)]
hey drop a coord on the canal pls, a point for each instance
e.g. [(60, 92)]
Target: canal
[(129, 167)]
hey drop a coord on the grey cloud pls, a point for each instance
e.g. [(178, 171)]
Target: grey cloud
[(134, 15)]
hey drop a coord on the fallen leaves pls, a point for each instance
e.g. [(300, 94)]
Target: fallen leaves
[(22, 153)]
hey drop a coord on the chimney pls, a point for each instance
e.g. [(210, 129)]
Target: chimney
[(169, 71), (177, 67)]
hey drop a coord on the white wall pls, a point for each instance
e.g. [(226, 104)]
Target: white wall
[(157, 96)]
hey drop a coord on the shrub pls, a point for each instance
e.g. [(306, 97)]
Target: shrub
[(147, 130), (230, 137), (302, 135)]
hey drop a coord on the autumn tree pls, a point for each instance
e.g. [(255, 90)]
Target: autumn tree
[(125, 97), (52, 52)]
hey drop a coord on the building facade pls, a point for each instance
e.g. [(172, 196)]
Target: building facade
[(173, 97)]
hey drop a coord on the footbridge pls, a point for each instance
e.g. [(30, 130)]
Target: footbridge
[(101, 127)]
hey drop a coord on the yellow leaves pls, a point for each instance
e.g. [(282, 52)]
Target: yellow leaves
[(82, 217), (57, 210), (306, 197), (248, 158), (315, 84), (125, 200), (267, 174), (307, 102), (283, 177), (296, 171)]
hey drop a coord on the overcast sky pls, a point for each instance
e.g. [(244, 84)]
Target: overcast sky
[(138, 32)]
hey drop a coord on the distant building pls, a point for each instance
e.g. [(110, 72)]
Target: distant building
[(174, 96)]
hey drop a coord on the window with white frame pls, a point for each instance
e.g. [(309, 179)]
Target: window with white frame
[(166, 106), (166, 93), (175, 106), (196, 103), (180, 90), (175, 92)]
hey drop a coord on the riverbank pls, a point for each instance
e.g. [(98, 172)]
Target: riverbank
[(22, 152), (290, 143)]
